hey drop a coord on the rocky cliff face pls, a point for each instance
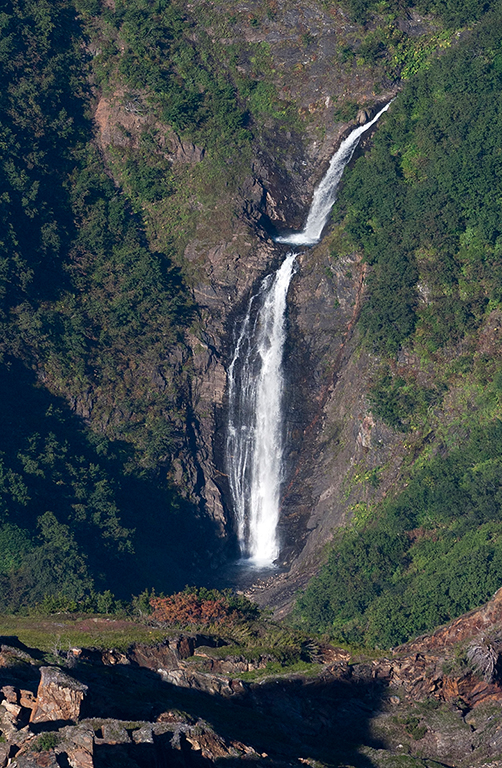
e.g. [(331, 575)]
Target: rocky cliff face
[(329, 427), (324, 304), (331, 432)]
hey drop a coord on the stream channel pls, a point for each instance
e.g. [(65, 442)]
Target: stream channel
[(255, 429)]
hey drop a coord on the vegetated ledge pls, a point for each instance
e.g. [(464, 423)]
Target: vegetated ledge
[(434, 701)]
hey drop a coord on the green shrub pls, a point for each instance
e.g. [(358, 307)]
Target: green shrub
[(400, 403), (46, 741)]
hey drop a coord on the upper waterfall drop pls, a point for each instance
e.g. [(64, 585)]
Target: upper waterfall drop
[(325, 194)]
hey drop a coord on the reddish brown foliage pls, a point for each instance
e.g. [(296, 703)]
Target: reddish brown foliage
[(187, 608)]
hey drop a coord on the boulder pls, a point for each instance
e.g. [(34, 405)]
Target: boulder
[(9, 718), (78, 745), (4, 754), (10, 657), (59, 696), (143, 735), (174, 716), (186, 152), (200, 681), (10, 694), (80, 758), (207, 742), (182, 646), (154, 656), (363, 116), (26, 699), (112, 657), (14, 710), (79, 736), (113, 733)]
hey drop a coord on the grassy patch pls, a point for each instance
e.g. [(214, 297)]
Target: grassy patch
[(60, 633), (275, 669)]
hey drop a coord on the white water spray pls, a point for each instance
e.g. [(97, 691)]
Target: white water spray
[(254, 442), (255, 377), (325, 194)]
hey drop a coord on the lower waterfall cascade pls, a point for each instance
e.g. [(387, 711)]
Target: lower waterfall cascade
[(254, 443)]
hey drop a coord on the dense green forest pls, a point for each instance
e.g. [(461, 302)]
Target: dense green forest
[(425, 202), (433, 552), (424, 208), (89, 313)]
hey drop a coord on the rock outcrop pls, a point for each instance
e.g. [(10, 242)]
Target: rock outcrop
[(59, 697), (430, 702), (476, 623)]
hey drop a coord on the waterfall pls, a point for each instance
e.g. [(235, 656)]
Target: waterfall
[(255, 382), (325, 194), (254, 440)]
